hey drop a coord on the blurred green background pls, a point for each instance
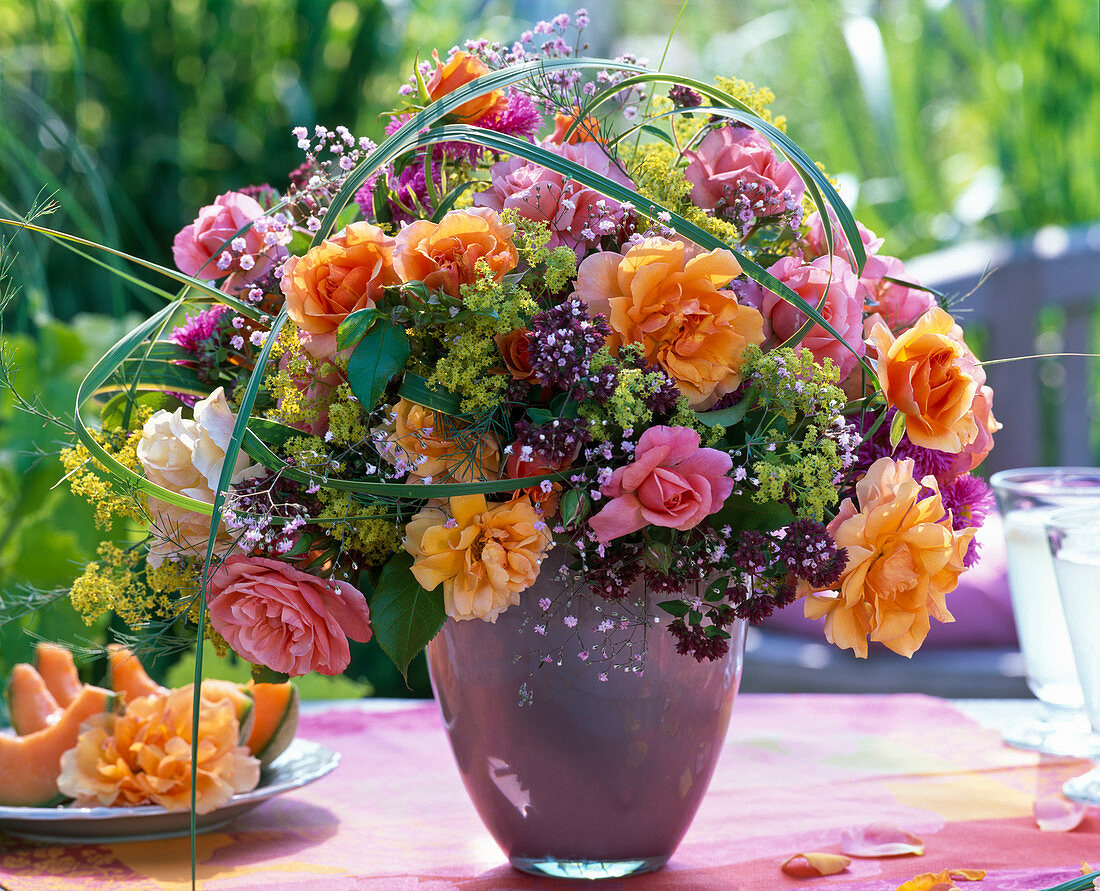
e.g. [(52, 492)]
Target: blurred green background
[(943, 120)]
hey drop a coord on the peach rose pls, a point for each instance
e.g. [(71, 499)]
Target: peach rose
[(484, 557), (186, 456), (929, 374), (342, 274), (903, 559), (547, 494), (143, 756), (459, 69), (290, 621), (666, 296), (975, 453), (672, 482), (419, 441), (445, 255)]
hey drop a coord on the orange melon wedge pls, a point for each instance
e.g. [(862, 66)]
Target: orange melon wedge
[(276, 719), (31, 764), (55, 664), (126, 674), (31, 706)]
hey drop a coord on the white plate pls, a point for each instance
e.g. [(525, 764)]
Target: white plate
[(301, 764)]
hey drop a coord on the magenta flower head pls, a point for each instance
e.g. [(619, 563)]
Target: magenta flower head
[(672, 483)]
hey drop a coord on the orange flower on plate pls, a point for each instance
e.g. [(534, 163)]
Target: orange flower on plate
[(342, 274), (669, 298), (929, 374), (421, 440), (144, 756), (446, 255), (483, 556), (903, 559), (459, 69)]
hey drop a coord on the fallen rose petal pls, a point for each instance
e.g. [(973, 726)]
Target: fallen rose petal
[(1085, 868), (880, 840), (1057, 814), (814, 864), (942, 881)]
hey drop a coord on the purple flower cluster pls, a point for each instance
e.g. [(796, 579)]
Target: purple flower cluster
[(745, 201), (563, 341), (557, 443)]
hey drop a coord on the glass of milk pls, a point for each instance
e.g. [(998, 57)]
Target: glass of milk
[(1074, 538), (1027, 498)]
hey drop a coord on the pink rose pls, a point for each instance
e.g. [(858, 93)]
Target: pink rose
[(899, 306), (843, 308), (735, 173), (275, 615), (198, 248), (672, 483), (578, 216)]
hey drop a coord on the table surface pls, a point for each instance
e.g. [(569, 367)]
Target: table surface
[(796, 771)]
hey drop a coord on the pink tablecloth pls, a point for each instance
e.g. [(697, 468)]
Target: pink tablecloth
[(796, 771)]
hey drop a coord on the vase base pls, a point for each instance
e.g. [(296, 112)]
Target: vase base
[(587, 869)]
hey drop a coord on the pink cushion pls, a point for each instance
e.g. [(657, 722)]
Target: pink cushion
[(981, 604)]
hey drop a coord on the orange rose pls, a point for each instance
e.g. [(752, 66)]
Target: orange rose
[(929, 374), (337, 277), (445, 255), (515, 350), (459, 70), (420, 440), (587, 131), (665, 296), (483, 556), (903, 559)]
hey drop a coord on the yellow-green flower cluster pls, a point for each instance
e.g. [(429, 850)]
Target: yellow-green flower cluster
[(113, 584), (793, 384), (472, 367), (557, 267), (366, 529), (90, 480), (802, 473), (655, 169), (756, 98)]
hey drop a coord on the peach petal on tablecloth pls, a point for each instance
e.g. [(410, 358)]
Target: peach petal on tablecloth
[(814, 864), (880, 840)]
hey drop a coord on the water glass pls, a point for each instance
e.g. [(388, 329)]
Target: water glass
[(1027, 498), (1074, 539)]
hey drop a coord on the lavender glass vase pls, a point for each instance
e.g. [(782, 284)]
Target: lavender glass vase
[(579, 768)]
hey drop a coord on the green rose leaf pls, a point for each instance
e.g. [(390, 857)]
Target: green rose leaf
[(741, 512), (354, 326), (674, 607), (404, 616), (379, 356)]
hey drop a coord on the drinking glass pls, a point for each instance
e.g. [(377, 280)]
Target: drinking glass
[(1074, 539), (1027, 498)]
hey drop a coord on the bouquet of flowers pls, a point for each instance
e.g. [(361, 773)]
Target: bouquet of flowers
[(565, 305)]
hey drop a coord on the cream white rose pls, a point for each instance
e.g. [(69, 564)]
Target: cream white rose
[(186, 456)]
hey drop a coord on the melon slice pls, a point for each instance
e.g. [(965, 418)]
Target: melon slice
[(31, 706), (30, 765), (215, 690), (126, 674), (55, 664), (276, 708)]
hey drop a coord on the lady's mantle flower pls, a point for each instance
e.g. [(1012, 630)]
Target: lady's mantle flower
[(904, 557), (672, 482), (484, 561)]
